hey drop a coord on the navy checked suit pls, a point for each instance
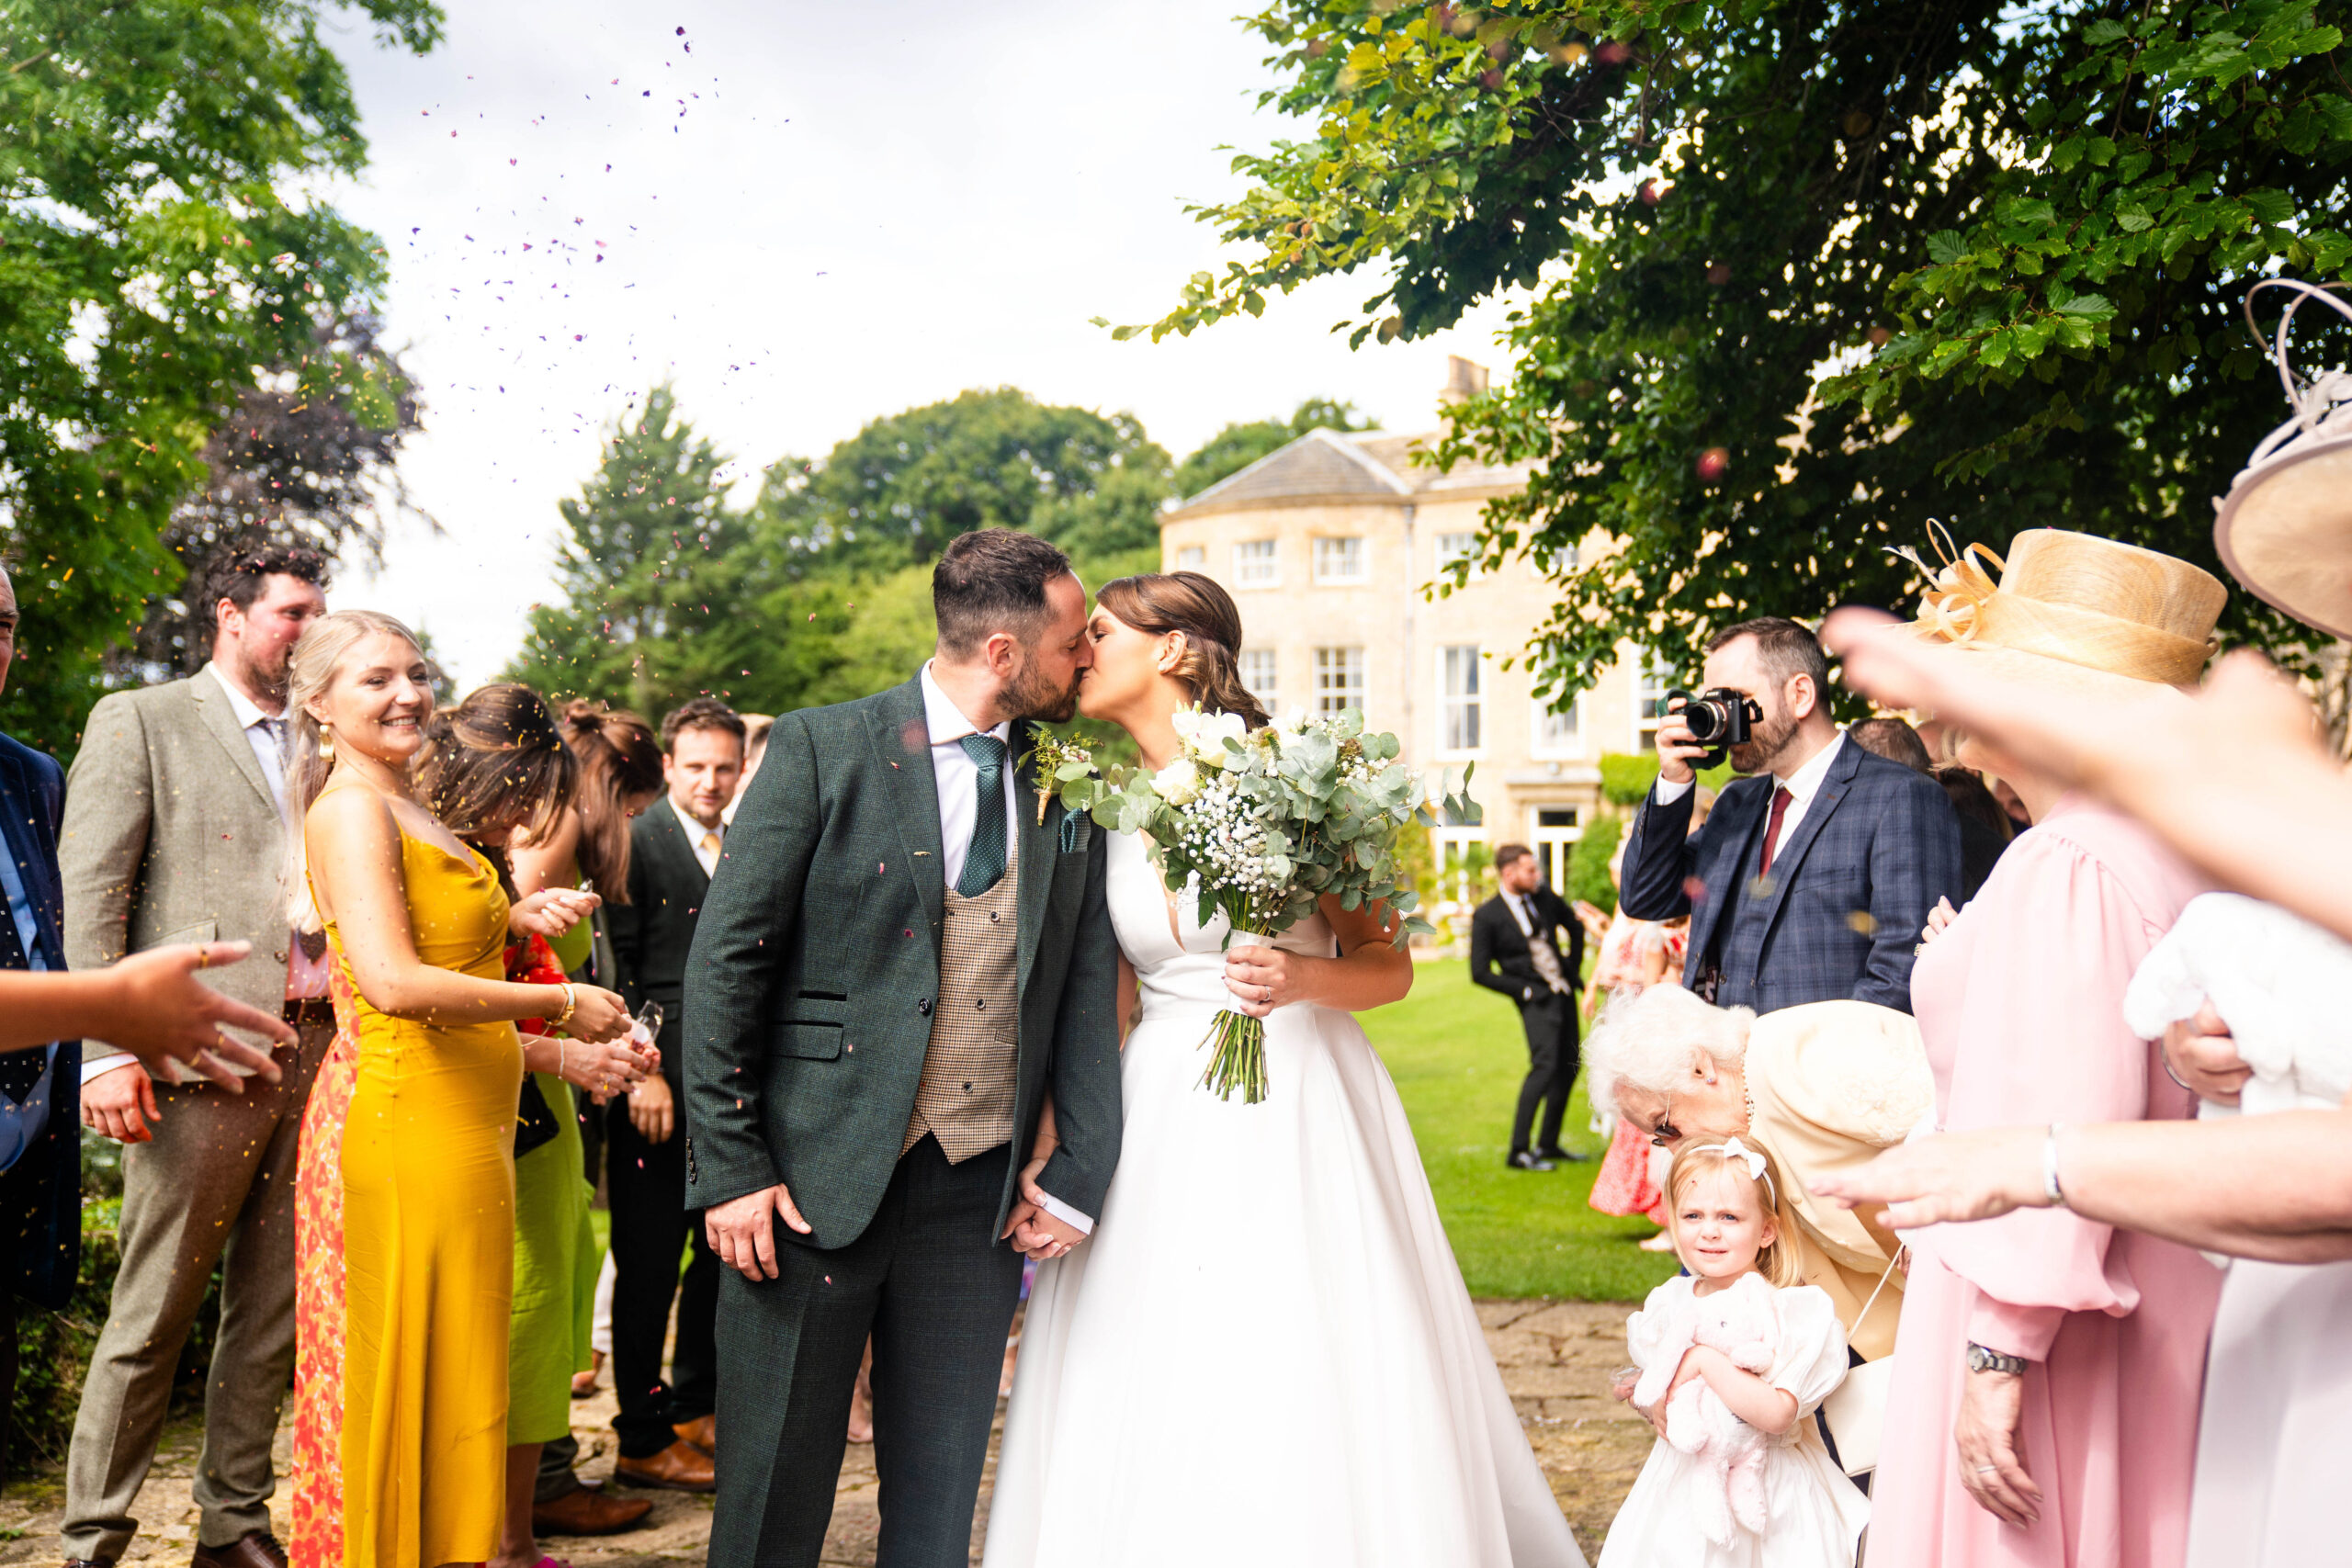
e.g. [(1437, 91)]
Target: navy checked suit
[(1851, 885)]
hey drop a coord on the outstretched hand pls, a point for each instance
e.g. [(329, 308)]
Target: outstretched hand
[(155, 1008), (742, 1230), (1947, 1177)]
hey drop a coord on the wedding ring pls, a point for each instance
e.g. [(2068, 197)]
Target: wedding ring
[(1270, 994), (1986, 1468), (203, 955)]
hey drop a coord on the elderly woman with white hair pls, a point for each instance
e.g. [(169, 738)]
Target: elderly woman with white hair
[(1824, 1086)]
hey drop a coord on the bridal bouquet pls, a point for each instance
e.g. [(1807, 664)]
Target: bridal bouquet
[(1259, 825)]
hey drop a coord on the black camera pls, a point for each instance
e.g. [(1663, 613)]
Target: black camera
[(1718, 719)]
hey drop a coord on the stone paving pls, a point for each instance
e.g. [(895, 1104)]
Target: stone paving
[(1557, 1357)]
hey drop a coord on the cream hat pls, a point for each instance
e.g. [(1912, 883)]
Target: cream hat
[(2078, 611), (2285, 529)]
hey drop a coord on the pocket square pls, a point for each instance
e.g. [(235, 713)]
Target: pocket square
[(1076, 829)]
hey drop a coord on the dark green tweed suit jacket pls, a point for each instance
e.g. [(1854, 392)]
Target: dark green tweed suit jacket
[(816, 964)]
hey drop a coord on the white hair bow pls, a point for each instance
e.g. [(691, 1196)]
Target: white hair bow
[(1732, 1148)]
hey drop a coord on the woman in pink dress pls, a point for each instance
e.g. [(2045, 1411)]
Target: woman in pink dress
[(2047, 1375)]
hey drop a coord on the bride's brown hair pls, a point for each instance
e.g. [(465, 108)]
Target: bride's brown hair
[(1203, 614)]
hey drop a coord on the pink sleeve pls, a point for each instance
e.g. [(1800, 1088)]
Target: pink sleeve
[(2042, 1039)]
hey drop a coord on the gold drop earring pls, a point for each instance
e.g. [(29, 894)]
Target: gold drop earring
[(326, 745)]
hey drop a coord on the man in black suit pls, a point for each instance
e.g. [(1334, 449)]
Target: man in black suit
[(1515, 949), (667, 1433), (1813, 877), (40, 1090)]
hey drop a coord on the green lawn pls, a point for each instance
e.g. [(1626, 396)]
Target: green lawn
[(1457, 1056)]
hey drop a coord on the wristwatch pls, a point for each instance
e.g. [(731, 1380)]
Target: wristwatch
[(1980, 1359)]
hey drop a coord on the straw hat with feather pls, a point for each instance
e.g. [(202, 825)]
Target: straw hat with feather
[(2078, 611)]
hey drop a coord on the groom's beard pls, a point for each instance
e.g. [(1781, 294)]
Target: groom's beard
[(1033, 694)]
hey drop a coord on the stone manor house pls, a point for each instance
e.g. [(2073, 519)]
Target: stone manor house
[(1328, 544)]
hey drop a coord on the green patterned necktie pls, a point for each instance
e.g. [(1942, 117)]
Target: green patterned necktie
[(984, 862)]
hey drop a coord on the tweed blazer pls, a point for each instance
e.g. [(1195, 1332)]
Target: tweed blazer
[(172, 835), (1850, 890), (42, 1262), (814, 971)]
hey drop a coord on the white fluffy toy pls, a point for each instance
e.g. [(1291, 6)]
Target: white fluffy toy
[(2275, 979), (1742, 1323)]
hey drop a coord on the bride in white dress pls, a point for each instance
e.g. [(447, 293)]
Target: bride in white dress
[(1264, 1354)]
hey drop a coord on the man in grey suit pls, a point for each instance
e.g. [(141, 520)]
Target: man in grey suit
[(175, 831), (900, 959)]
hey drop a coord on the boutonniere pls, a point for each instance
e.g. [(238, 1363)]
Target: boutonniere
[(1064, 768)]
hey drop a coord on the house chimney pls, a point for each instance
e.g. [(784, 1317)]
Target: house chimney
[(1464, 380)]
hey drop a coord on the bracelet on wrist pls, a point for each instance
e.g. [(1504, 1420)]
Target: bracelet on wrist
[(570, 1005), (1980, 1359), (2051, 1187)]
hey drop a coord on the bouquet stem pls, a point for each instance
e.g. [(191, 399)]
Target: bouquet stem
[(1237, 1042), (1237, 1057)]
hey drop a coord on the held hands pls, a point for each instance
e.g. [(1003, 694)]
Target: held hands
[(1985, 1434), (1032, 1232), (550, 912), (742, 1230), (2204, 1057), (1262, 978)]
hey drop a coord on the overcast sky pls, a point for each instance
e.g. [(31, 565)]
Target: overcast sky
[(807, 215)]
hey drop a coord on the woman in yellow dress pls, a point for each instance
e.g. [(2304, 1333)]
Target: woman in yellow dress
[(419, 927)]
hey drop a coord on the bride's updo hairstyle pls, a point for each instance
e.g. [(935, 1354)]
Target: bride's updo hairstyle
[(1203, 614)]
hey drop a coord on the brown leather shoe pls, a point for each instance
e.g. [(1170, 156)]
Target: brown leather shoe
[(587, 1510), (254, 1549), (681, 1467), (702, 1432)]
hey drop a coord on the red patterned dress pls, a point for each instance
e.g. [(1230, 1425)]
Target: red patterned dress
[(318, 1296)]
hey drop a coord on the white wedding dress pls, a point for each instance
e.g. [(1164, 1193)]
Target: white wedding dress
[(1265, 1354)]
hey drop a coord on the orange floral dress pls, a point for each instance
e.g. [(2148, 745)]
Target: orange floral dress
[(318, 1296)]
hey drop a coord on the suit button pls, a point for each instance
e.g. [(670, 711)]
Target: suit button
[(924, 1007), (981, 1003), (279, 955)]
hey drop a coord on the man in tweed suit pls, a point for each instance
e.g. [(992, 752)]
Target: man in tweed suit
[(174, 832), (899, 961), (1811, 879)]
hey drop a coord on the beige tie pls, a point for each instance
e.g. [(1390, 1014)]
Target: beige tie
[(710, 843)]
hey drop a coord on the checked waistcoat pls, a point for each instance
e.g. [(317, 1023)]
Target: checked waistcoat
[(965, 1099)]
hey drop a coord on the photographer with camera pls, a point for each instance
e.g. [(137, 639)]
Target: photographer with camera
[(1811, 879)]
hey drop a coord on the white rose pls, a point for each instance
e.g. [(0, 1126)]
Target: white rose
[(1209, 733), (1178, 784)]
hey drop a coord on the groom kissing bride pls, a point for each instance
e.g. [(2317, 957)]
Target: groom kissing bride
[(925, 1013)]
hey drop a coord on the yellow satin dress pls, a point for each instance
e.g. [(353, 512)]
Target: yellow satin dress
[(428, 1191)]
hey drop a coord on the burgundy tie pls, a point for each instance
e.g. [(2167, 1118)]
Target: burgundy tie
[(1772, 830)]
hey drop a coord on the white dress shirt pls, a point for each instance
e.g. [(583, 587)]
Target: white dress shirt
[(957, 779), (957, 776), (696, 835), (1801, 785)]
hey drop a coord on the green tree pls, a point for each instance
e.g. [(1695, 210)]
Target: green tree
[(1812, 271), (895, 493), (1238, 445), (660, 602), (150, 258)]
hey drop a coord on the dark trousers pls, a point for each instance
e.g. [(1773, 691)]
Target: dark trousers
[(929, 1283), (651, 1228), (1550, 1023)]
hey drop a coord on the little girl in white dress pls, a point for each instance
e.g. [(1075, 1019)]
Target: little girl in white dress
[(1739, 1479)]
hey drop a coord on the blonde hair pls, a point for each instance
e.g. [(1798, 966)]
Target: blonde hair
[(1777, 1263), (310, 669)]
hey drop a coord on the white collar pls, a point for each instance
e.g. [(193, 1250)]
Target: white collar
[(248, 712), (695, 830), (946, 722), (1805, 783)]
